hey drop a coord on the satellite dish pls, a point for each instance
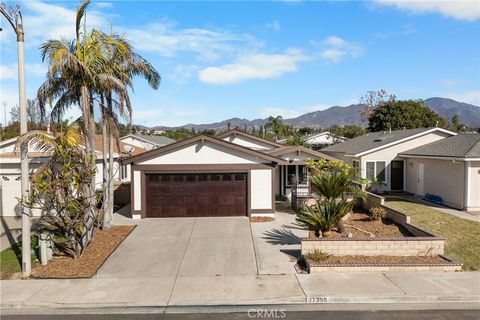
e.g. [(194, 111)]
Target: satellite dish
[(128, 148)]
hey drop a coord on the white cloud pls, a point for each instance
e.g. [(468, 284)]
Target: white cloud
[(462, 10), (335, 49), (274, 25), (10, 71), (472, 97), (164, 38), (103, 4), (254, 66), (183, 72)]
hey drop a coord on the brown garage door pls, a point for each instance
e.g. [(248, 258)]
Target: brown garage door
[(196, 195)]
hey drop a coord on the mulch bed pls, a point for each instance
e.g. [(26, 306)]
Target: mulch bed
[(261, 219), (384, 228), (380, 260), (103, 245)]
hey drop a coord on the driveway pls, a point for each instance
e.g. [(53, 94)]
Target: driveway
[(184, 247)]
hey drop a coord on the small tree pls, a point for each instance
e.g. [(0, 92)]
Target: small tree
[(58, 189)]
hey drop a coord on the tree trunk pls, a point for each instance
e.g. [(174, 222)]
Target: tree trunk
[(89, 215), (110, 180), (105, 192)]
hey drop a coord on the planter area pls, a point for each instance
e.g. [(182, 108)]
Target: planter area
[(389, 244)]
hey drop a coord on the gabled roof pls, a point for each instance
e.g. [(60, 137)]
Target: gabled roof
[(459, 146), (177, 145), (156, 140), (374, 141), (297, 149), (324, 133), (236, 132)]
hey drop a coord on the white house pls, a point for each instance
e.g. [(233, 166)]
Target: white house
[(146, 142), (234, 173), (323, 139)]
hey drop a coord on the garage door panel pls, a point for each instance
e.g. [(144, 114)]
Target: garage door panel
[(201, 195)]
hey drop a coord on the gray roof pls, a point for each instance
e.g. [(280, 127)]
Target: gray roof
[(459, 146), (372, 140), (157, 140)]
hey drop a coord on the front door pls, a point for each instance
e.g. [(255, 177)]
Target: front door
[(420, 179), (396, 175)]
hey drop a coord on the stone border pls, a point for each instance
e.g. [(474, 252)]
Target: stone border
[(320, 267), (421, 243)]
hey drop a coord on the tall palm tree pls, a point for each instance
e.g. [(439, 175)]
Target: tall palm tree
[(124, 64), (276, 125), (75, 77)]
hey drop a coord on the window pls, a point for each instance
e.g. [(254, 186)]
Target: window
[(302, 175), (356, 169), (123, 172), (376, 171), (239, 177), (214, 177), (291, 173)]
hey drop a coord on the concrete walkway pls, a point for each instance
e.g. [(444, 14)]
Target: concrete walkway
[(356, 288)]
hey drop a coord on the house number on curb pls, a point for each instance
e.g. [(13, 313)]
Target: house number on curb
[(317, 300)]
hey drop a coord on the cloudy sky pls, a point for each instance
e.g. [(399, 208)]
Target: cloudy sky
[(254, 59)]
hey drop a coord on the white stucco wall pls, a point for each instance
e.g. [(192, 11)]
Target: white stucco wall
[(261, 189), (444, 178), (248, 142), (204, 153), (474, 186), (137, 191), (137, 143)]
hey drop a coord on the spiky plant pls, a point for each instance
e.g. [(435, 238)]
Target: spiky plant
[(324, 215)]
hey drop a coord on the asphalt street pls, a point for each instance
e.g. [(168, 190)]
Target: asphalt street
[(271, 314)]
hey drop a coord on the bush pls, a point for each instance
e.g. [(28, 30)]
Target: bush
[(317, 255), (324, 215), (378, 213)]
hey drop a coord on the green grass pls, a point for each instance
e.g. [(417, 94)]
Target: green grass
[(462, 236), (9, 262)]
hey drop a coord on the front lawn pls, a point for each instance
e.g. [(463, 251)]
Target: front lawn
[(9, 263), (462, 236)]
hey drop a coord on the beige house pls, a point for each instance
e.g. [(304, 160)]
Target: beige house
[(448, 168), (376, 155)]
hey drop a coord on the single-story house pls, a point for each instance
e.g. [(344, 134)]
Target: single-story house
[(448, 168), (146, 142), (377, 155), (234, 173), (10, 185), (323, 139)]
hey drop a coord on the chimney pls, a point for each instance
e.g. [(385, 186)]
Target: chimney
[(228, 126)]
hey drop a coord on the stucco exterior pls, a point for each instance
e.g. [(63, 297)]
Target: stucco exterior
[(248, 142)]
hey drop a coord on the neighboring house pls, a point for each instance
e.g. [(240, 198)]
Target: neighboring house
[(323, 139), (146, 142), (377, 155), (232, 174), (449, 168), (10, 171)]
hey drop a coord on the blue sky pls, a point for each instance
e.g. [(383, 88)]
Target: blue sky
[(254, 59)]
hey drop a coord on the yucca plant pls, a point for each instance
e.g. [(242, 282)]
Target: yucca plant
[(324, 215), (332, 184)]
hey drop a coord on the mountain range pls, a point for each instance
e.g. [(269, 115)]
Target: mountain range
[(469, 114)]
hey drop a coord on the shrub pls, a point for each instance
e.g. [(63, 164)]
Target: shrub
[(324, 215), (317, 255), (378, 213)]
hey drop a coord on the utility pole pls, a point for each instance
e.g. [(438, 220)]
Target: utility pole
[(14, 17)]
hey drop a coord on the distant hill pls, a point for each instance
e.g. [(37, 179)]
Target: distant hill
[(469, 114)]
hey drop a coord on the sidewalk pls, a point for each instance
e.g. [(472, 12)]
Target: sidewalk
[(334, 288)]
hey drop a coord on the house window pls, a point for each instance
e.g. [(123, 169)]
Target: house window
[(291, 173), (302, 175), (376, 171), (123, 172), (356, 169)]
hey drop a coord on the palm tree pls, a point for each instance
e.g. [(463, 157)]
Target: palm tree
[(74, 78), (276, 125), (124, 64)]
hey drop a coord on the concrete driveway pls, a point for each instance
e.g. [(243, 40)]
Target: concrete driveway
[(184, 247)]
